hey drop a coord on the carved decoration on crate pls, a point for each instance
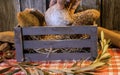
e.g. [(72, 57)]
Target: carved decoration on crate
[(22, 44)]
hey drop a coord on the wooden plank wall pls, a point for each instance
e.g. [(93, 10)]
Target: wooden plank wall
[(111, 14), (7, 15), (109, 18), (37, 4)]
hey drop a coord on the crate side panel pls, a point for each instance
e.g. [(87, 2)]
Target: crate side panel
[(34, 44)]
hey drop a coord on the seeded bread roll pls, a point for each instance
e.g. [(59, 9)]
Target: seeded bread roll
[(25, 19), (30, 17), (39, 16), (87, 17)]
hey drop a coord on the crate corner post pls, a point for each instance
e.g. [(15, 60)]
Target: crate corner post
[(19, 44)]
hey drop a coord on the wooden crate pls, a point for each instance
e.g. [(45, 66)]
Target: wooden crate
[(22, 44)]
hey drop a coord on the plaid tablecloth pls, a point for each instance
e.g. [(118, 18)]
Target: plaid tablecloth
[(112, 69)]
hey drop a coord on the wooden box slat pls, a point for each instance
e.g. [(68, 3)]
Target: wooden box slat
[(57, 56), (58, 30), (58, 44), (22, 44)]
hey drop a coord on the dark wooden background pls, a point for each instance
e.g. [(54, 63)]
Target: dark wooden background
[(110, 11)]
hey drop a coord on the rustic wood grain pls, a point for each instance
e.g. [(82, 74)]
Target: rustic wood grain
[(37, 4), (7, 15), (116, 16), (111, 14), (88, 4), (17, 5), (107, 13)]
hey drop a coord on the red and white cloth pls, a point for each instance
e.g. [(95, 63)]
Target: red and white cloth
[(112, 69)]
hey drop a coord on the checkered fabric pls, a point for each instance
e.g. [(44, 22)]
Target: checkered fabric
[(114, 64), (112, 69)]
